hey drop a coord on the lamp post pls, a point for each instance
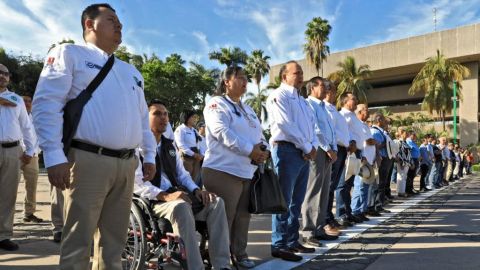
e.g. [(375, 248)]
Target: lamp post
[(454, 112)]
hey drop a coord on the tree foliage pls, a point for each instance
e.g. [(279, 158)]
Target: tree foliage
[(315, 48), (257, 67), (229, 56), (436, 79), (351, 78)]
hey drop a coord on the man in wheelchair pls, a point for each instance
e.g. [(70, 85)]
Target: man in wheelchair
[(177, 198)]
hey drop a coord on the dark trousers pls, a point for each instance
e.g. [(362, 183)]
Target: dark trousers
[(460, 169), (412, 172), (384, 172), (424, 168), (344, 198), (388, 190), (337, 169)]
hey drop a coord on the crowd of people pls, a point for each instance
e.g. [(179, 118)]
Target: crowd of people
[(203, 170)]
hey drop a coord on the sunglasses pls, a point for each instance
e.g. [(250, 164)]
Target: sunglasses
[(5, 73)]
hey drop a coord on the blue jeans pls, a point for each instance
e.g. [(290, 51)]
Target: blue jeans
[(433, 175), (292, 171), (359, 196)]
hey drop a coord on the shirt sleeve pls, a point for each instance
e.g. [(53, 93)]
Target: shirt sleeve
[(142, 188), (180, 141), (218, 124), (50, 97), (148, 140), (281, 111), (27, 130)]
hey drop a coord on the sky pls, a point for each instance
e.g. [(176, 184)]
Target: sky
[(193, 28)]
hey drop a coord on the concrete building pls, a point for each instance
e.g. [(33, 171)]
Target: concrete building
[(394, 65)]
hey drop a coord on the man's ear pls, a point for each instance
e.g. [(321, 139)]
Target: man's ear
[(89, 23)]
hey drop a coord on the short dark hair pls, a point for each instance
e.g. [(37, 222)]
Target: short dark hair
[(344, 97), (156, 101), (313, 82), (377, 116), (226, 74), (91, 12), (283, 69)]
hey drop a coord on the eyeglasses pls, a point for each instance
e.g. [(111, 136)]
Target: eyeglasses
[(5, 73)]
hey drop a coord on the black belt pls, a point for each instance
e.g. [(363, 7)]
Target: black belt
[(10, 144), (283, 143), (123, 153)]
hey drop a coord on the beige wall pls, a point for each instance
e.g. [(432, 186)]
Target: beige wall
[(468, 108)]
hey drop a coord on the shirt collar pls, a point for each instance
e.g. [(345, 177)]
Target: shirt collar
[(292, 90), (316, 100), (93, 46)]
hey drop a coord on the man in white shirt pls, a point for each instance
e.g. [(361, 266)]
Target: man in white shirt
[(101, 159), (314, 208), (30, 173), (187, 141), (361, 189), (294, 144), (355, 126), (344, 145), (14, 126), (166, 189)]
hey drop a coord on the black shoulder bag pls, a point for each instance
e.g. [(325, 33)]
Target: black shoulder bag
[(72, 112)]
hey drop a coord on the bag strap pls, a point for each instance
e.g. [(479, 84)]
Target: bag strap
[(93, 85)]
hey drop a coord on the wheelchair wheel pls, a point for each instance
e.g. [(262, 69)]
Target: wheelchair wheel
[(133, 256)]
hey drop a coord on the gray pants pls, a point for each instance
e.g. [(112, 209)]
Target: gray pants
[(314, 208)]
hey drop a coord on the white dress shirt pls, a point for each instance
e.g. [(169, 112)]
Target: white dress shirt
[(36, 146), (323, 125), (186, 138), (355, 127), (147, 190), (291, 119), (15, 124), (340, 124), (115, 117), (369, 151), (231, 133)]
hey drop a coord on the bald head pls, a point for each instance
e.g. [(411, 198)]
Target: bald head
[(4, 77)]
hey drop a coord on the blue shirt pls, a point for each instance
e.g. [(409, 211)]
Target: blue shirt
[(425, 155), (379, 136), (415, 150), (323, 125)]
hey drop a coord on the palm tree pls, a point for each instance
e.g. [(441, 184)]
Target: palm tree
[(205, 79), (229, 56), (257, 67), (436, 79), (351, 79), (257, 102), (315, 48)]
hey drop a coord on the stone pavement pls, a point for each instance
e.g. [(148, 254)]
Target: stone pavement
[(442, 231)]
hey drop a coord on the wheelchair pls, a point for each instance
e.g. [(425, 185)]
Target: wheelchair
[(151, 243)]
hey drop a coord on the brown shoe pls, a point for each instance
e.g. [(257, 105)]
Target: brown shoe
[(330, 230)]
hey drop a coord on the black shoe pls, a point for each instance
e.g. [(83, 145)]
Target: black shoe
[(428, 189), (8, 245), (334, 223), (301, 249), (365, 218), (312, 241), (57, 237), (354, 219), (286, 255), (423, 190), (389, 196), (381, 209), (344, 222), (326, 237), (373, 213), (32, 218)]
